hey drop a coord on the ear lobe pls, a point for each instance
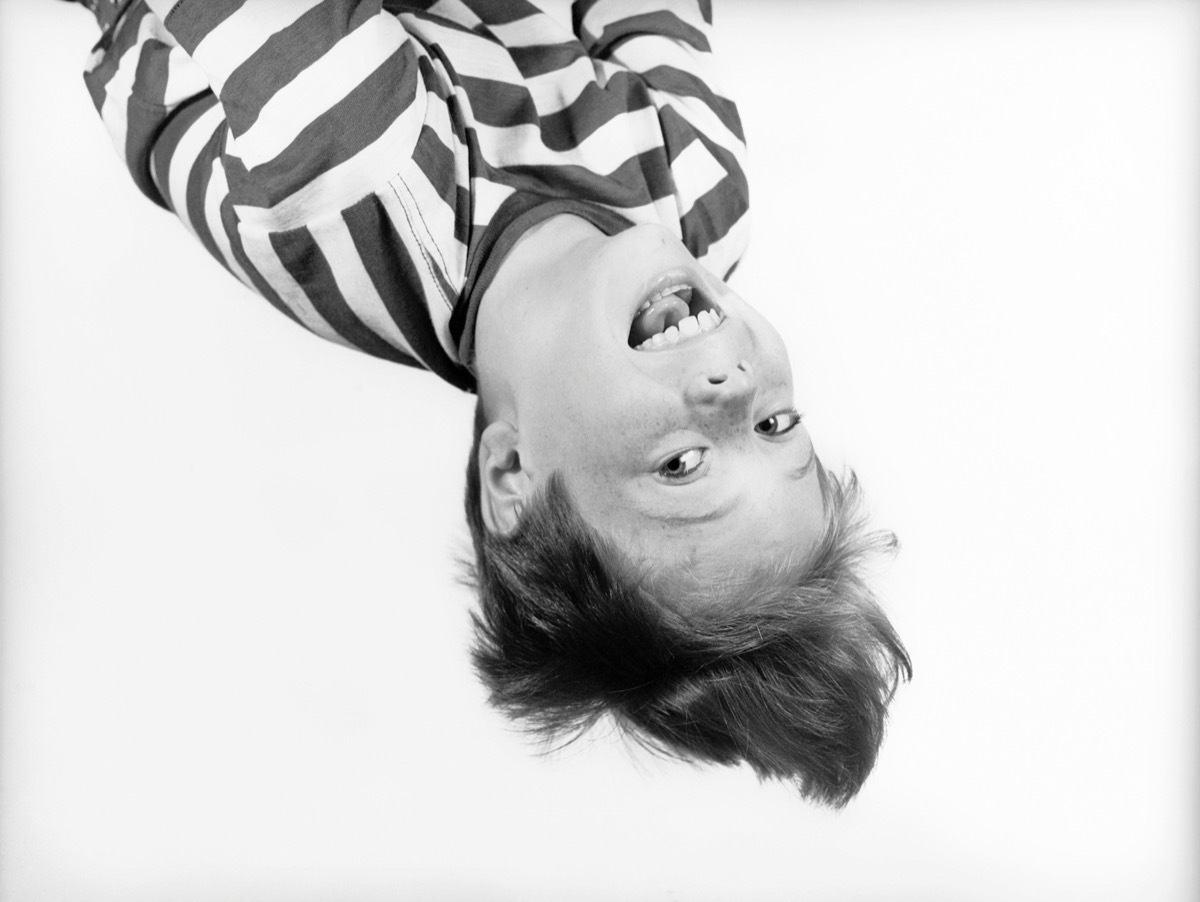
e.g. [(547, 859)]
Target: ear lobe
[(504, 482)]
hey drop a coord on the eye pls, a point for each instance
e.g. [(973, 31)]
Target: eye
[(681, 466), (779, 423)]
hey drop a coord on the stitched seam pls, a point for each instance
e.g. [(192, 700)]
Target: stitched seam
[(174, 9), (429, 264), (428, 231)]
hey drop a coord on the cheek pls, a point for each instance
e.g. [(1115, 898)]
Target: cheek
[(775, 353), (579, 426), (771, 346), (614, 437)]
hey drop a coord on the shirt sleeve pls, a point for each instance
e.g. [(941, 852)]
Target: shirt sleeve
[(667, 45), (291, 137)]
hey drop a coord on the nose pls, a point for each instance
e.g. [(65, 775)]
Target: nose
[(724, 392)]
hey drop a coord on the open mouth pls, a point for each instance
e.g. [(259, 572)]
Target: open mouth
[(671, 316)]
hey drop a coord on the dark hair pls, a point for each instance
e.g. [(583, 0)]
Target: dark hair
[(792, 676)]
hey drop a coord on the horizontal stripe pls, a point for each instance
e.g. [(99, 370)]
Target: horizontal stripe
[(163, 152), (365, 64), (722, 256), (601, 20), (709, 113), (286, 55), (358, 121), (114, 50), (146, 114), (500, 105), (306, 263), (435, 162), (360, 151), (355, 286), (446, 12), (221, 47), (554, 91), (547, 59), (214, 201), (432, 77), (238, 250), (532, 29), (187, 157), (345, 183), (710, 215), (623, 187), (696, 173), (701, 120), (401, 274), (603, 151), (185, 79), (659, 26), (196, 198), (466, 51), (595, 107), (503, 12), (191, 21), (133, 40), (260, 253)]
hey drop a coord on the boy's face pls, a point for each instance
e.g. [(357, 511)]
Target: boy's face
[(690, 456)]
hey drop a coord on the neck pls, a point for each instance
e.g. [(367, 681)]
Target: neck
[(537, 273)]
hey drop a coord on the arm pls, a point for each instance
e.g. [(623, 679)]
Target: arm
[(666, 44), (285, 134), (300, 84)]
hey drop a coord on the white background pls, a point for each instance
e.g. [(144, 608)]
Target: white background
[(234, 654)]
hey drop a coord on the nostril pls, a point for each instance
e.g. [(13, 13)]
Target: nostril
[(716, 380), (743, 366)]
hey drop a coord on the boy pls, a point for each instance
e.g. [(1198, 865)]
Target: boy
[(540, 205)]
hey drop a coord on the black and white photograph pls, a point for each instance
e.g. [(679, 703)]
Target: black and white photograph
[(650, 450)]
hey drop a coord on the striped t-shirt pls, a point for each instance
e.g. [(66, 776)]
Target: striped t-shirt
[(364, 166)]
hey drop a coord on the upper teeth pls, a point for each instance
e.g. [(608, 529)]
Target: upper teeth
[(704, 321)]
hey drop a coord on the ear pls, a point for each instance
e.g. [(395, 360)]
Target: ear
[(504, 482)]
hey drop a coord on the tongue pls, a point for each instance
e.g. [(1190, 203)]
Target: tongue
[(660, 315)]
